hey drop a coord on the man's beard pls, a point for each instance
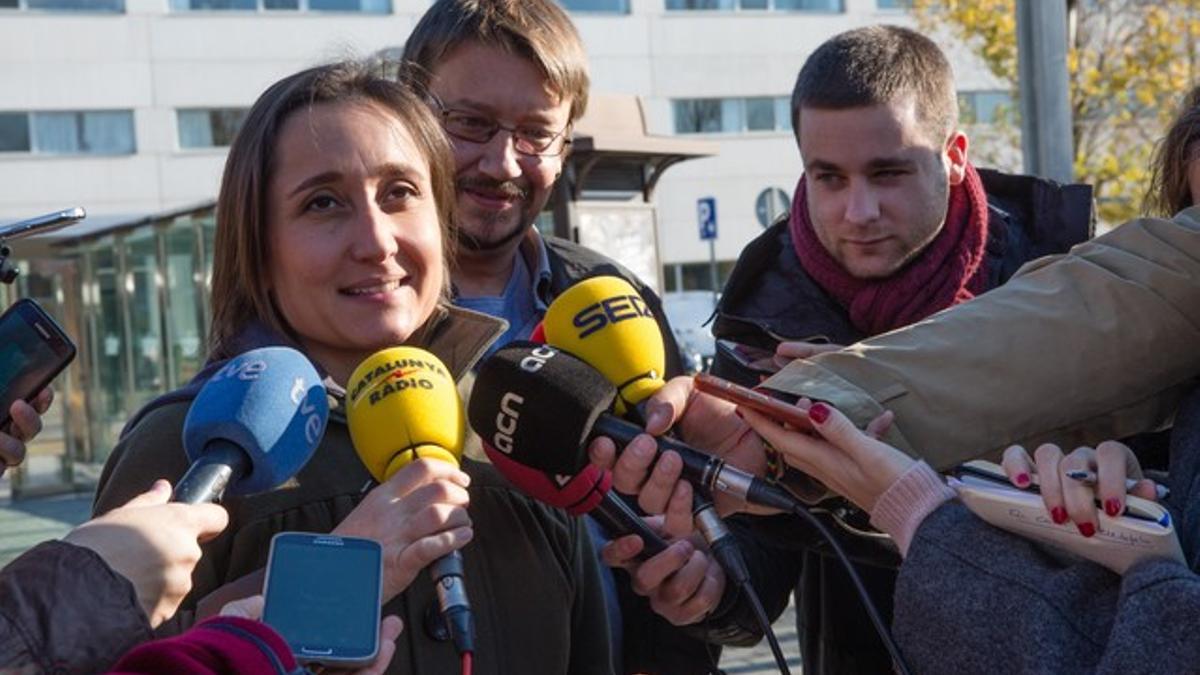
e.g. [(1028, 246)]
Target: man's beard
[(508, 189)]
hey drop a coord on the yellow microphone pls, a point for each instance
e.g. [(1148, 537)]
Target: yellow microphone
[(402, 406), (606, 323), (627, 347)]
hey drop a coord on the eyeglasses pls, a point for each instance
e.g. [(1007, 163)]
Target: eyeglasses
[(476, 128)]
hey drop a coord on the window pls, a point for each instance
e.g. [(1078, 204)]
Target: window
[(893, 4), (760, 114), (65, 5), (107, 132), (695, 276), (985, 107), (598, 6), (732, 115), (760, 5), (14, 132), (358, 6), (209, 128), (93, 133)]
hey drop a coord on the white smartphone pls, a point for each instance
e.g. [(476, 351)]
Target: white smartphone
[(323, 595)]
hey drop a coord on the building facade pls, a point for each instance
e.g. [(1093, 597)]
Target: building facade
[(126, 107)]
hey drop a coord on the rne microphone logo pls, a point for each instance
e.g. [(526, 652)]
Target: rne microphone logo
[(612, 310), (244, 370), (308, 410), (506, 422)]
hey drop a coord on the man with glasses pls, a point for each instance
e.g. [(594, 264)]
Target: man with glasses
[(509, 79)]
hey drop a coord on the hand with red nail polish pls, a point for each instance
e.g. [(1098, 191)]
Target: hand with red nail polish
[(849, 461), (1069, 499)]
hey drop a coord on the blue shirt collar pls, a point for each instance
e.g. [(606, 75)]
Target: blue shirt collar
[(537, 259)]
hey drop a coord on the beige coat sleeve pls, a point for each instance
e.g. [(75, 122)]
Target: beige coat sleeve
[(1099, 343)]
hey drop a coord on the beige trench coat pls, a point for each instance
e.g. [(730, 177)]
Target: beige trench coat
[(1099, 343)]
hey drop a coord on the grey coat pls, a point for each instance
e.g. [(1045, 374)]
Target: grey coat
[(975, 599)]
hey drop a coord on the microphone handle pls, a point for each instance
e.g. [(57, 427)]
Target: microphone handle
[(702, 468), (447, 575), (221, 463), (618, 519), (720, 540)]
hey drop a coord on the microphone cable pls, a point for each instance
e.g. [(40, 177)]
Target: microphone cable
[(723, 547), (872, 611)]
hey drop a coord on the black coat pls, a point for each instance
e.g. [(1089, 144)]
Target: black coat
[(650, 644), (770, 298), (64, 610)]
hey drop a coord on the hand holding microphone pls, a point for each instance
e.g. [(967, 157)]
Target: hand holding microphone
[(625, 343), (251, 427), (683, 583), (604, 322), (407, 426), (154, 544), (531, 461)]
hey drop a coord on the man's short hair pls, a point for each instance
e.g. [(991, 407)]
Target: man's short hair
[(538, 30), (879, 65)]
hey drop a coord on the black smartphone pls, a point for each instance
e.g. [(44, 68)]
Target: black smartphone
[(323, 595), (33, 351), (755, 359)]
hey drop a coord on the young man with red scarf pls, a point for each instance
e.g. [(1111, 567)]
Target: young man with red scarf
[(890, 223)]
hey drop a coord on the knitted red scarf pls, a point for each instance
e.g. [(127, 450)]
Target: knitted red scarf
[(950, 270)]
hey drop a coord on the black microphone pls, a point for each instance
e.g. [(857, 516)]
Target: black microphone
[(529, 396), (253, 425), (587, 492)]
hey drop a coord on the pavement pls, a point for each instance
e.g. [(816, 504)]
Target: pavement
[(26, 522)]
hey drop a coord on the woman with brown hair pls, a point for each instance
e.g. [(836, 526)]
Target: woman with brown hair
[(332, 238), (1175, 168)]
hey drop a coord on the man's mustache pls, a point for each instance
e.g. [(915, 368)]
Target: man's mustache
[(507, 189)]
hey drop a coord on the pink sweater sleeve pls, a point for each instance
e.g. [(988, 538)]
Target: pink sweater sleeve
[(902, 507)]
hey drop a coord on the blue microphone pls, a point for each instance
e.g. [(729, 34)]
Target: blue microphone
[(253, 425)]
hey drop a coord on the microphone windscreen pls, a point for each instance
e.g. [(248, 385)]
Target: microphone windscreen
[(576, 494), (605, 322), (402, 405), (270, 403), (537, 404)]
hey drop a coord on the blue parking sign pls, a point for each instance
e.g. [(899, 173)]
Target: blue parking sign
[(706, 213)]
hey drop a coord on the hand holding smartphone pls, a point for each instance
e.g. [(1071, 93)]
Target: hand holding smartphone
[(777, 410), (323, 595), (34, 349)]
